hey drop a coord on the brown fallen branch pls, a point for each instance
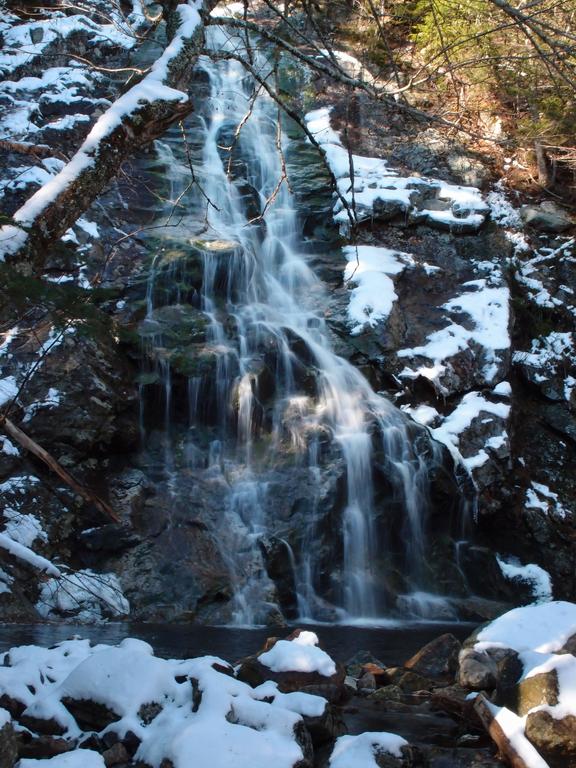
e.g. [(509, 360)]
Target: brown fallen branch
[(507, 750), (29, 445), (24, 148)]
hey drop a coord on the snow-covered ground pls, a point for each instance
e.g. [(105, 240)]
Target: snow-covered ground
[(191, 712)]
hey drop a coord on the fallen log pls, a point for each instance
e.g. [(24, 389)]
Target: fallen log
[(36, 450), (510, 751)]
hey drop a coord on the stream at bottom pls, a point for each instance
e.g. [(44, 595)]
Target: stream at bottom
[(390, 644)]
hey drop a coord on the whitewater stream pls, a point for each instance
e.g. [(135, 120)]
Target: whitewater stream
[(274, 388)]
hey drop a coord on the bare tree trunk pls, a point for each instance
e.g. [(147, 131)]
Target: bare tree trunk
[(502, 741), (29, 445)]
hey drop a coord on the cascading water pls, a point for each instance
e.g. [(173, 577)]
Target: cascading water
[(275, 386)]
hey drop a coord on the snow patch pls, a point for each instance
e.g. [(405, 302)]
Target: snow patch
[(371, 269), (538, 579), (361, 751), (298, 655)]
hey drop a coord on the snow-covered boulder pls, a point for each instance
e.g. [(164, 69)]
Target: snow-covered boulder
[(539, 712), (369, 750), (187, 713), (296, 664)]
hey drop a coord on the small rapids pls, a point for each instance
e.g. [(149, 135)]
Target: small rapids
[(269, 389)]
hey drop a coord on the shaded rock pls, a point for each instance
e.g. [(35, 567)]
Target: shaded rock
[(477, 670), (438, 660), (546, 217), (326, 727), (8, 746), (554, 739), (9, 457), (332, 688), (367, 682), (113, 537), (510, 670), (278, 560), (92, 398), (407, 680), (355, 663), (351, 683), (109, 739), (453, 700), (486, 579), (94, 742), (131, 742), (459, 757), (38, 747), (387, 693), (304, 740), (115, 755), (386, 760), (90, 715), (46, 727), (378, 672), (14, 706)]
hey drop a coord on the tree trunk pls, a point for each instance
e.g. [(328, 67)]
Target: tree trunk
[(29, 445), (138, 117)]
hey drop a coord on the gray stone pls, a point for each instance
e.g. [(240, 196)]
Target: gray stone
[(546, 217), (477, 670)]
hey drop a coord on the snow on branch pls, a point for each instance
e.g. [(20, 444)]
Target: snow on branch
[(134, 119)]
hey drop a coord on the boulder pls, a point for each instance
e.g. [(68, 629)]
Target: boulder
[(555, 739), (477, 671), (331, 688), (39, 747), (90, 715), (113, 537), (355, 663), (438, 660), (46, 727), (326, 727), (378, 672), (537, 690), (546, 217), (116, 755)]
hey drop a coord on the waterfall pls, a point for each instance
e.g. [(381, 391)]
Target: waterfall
[(263, 303)]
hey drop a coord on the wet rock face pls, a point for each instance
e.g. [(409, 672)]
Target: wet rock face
[(81, 401)]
